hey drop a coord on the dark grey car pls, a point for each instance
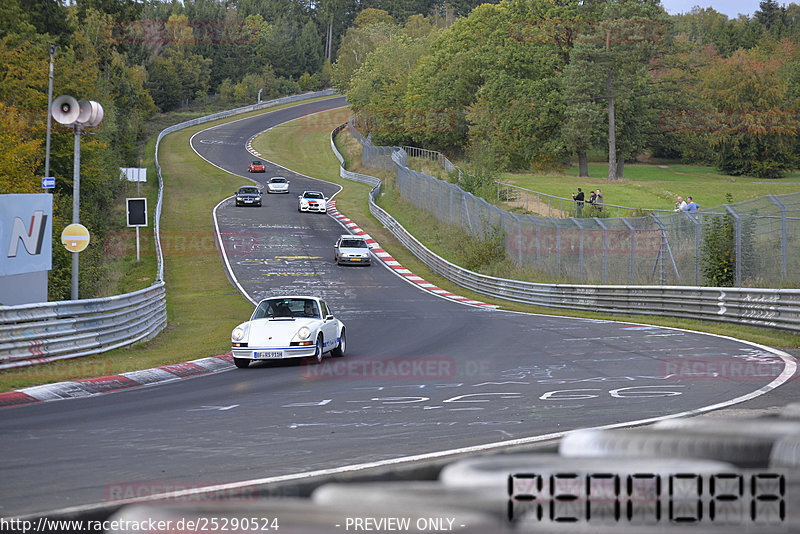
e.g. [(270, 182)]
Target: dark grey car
[(248, 195)]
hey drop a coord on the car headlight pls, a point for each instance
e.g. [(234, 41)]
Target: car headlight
[(238, 334), (304, 333)]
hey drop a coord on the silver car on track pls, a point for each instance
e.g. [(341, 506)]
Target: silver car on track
[(351, 249), (278, 184)]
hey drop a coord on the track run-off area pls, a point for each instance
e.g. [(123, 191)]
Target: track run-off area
[(422, 376)]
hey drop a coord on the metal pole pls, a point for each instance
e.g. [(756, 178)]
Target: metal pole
[(558, 246), (633, 247), (538, 245), (783, 235), (697, 223), (76, 205), (738, 245), (580, 248), (605, 247), (665, 249), (52, 48)]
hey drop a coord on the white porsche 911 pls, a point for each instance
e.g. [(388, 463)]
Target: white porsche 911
[(288, 327), (278, 184)]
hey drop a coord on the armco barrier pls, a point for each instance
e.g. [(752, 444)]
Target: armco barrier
[(778, 308), (50, 331), (37, 333)]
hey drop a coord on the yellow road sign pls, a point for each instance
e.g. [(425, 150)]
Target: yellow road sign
[(75, 237)]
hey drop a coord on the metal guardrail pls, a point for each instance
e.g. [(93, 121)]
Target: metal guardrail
[(778, 308), (39, 333), (344, 173), (45, 332)]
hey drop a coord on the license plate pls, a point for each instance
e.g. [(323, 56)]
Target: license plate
[(268, 354), (355, 259)]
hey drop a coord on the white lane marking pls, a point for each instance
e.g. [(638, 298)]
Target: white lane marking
[(225, 256), (213, 408)]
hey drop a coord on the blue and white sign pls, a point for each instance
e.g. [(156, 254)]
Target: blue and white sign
[(26, 233), (48, 182)]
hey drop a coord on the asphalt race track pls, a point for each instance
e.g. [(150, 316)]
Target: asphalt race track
[(421, 374)]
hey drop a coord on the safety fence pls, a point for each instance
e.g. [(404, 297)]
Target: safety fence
[(779, 308), (49, 331), (751, 243)]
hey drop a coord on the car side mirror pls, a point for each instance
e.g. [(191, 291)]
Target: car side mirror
[(328, 317)]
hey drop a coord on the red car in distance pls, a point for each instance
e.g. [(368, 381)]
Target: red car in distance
[(256, 166)]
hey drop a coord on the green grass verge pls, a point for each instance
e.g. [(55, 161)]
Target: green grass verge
[(202, 305), (650, 186), (318, 161)]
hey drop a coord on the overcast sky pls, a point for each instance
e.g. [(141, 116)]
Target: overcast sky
[(732, 8)]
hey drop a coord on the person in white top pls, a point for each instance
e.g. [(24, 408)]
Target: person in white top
[(680, 205)]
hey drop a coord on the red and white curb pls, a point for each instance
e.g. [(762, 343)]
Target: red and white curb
[(250, 148), (90, 387), (393, 264)]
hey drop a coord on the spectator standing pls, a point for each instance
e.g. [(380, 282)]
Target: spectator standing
[(680, 205), (578, 198), (598, 201), (591, 199), (691, 206)]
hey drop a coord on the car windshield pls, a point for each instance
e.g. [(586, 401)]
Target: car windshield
[(248, 190), (313, 194), (256, 163), (278, 180), (353, 243), (287, 307)]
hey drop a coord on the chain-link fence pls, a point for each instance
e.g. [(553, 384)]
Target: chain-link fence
[(750, 243)]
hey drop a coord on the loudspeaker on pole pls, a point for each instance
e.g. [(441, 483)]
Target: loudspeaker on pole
[(65, 109)]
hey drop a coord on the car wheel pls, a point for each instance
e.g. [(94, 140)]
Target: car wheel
[(241, 363), (338, 352), (318, 352)]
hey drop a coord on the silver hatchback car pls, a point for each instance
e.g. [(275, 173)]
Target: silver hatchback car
[(351, 249)]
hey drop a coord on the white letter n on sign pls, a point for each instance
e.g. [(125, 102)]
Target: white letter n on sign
[(32, 238)]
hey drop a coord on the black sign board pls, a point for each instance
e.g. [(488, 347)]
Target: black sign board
[(137, 211)]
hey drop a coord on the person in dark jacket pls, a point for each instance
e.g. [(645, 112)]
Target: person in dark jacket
[(578, 198)]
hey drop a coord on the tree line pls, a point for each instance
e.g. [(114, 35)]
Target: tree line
[(534, 84)]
